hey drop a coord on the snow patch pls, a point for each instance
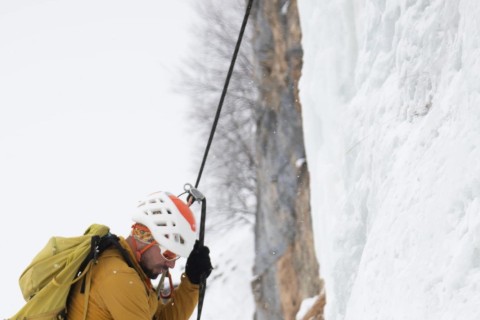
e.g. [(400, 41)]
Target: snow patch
[(305, 307)]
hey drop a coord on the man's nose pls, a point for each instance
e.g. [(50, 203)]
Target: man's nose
[(170, 264)]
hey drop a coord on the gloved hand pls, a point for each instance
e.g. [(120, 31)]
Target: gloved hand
[(198, 263)]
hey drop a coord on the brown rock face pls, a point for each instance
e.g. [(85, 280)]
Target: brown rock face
[(285, 265)]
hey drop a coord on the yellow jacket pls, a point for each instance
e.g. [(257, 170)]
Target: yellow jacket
[(121, 293)]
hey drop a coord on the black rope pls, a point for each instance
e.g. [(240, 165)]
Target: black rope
[(224, 92), (203, 279), (203, 282), (201, 237)]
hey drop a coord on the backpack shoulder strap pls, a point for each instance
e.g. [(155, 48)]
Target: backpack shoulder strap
[(99, 245), (112, 240)]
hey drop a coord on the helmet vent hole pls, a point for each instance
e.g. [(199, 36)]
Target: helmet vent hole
[(157, 212), (174, 224), (141, 204), (179, 238), (162, 224), (169, 212), (152, 201)]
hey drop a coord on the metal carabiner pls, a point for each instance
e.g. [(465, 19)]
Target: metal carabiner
[(193, 192), (160, 286)]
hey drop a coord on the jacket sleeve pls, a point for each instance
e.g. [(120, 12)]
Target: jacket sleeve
[(183, 303)]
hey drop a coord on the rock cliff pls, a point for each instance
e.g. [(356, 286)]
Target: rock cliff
[(286, 268)]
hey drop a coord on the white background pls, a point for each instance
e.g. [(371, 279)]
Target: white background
[(88, 120)]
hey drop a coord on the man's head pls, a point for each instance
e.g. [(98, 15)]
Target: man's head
[(165, 227), (153, 259)]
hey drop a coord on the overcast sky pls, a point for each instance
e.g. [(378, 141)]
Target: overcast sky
[(88, 120)]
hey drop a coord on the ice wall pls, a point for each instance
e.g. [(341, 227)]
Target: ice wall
[(390, 94)]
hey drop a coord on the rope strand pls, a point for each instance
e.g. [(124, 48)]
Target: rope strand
[(224, 92), (203, 283)]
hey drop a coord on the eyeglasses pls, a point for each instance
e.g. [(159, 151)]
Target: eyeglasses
[(167, 254)]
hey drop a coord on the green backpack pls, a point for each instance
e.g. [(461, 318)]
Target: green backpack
[(46, 282)]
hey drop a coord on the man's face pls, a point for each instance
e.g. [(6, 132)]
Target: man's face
[(153, 263)]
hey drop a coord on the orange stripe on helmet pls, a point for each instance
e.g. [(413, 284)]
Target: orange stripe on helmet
[(185, 211)]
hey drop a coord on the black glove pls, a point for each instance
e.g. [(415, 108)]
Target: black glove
[(198, 263)]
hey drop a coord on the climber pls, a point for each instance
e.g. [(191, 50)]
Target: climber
[(164, 230)]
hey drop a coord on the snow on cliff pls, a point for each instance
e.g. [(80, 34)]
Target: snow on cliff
[(391, 96)]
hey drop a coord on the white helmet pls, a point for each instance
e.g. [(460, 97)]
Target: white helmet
[(170, 221)]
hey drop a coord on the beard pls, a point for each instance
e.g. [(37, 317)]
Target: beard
[(150, 274)]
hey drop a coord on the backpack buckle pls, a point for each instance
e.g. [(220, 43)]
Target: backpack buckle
[(95, 248)]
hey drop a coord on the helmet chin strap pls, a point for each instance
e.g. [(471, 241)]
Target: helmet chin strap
[(139, 253)]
